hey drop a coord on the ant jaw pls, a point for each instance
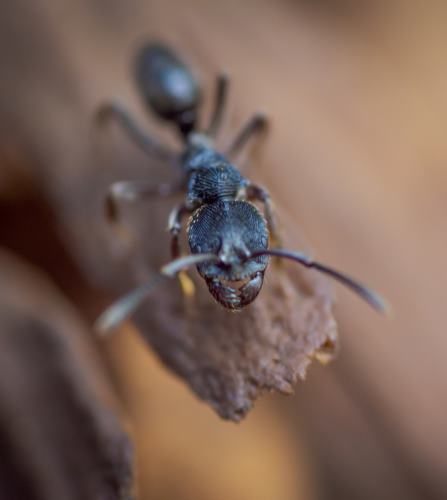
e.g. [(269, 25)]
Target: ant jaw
[(236, 294)]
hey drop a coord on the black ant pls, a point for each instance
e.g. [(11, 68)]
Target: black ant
[(227, 235)]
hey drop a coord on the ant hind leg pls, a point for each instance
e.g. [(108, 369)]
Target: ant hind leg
[(257, 124), (113, 110)]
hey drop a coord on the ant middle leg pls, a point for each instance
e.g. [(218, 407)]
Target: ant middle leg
[(133, 191), (257, 124), (130, 191), (113, 110)]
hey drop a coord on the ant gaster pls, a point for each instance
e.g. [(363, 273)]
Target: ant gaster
[(227, 235)]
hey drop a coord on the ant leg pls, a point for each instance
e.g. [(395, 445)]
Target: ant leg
[(131, 191), (257, 124), (114, 110), (174, 228), (254, 192), (220, 101)]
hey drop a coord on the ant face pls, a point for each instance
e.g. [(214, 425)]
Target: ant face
[(232, 230)]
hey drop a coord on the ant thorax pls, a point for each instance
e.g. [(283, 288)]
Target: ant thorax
[(199, 140), (218, 180)]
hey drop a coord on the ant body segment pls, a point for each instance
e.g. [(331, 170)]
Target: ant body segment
[(227, 234)]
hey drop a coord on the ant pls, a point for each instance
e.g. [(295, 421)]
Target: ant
[(227, 235)]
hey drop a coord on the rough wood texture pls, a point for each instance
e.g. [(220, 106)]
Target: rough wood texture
[(59, 432), (229, 359)]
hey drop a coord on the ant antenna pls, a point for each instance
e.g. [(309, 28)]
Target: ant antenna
[(373, 298), (124, 307)]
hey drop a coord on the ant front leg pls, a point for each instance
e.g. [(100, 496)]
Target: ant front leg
[(115, 111), (174, 228), (257, 124), (258, 193)]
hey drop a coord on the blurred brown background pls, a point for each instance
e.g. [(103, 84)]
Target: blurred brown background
[(357, 159)]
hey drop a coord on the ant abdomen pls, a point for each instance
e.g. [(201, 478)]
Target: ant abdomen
[(168, 86)]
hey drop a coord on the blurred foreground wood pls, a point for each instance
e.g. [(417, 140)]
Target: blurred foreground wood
[(59, 430), (185, 452)]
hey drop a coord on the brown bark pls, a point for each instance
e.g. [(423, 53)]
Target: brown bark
[(59, 430)]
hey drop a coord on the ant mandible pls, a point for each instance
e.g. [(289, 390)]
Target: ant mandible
[(228, 236)]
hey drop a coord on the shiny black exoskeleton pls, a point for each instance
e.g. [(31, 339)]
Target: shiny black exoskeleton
[(168, 87), (227, 234)]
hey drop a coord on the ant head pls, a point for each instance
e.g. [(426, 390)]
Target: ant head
[(231, 230), (229, 241)]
